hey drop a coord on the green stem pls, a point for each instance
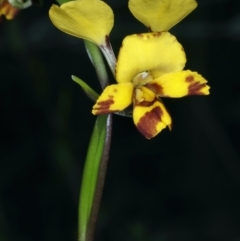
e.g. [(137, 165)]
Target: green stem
[(87, 233), (96, 58)]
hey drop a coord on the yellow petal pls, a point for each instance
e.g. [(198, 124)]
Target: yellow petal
[(179, 84), (150, 117), (91, 20), (114, 98), (161, 15), (158, 53)]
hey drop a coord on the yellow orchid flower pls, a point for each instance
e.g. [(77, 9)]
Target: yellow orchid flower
[(87, 19), (149, 66), (161, 15), (8, 10)]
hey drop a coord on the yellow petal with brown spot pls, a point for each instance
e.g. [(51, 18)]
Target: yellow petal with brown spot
[(114, 98), (161, 15), (158, 53), (179, 84), (150, 117), (91, 20)]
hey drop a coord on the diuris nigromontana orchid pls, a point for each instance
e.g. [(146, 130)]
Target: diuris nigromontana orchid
[(149, 65)]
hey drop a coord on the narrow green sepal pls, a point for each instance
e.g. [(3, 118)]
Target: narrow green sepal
[(86, 88), (90, 174)]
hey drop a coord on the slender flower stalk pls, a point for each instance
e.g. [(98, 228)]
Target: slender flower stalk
[(88, 233)]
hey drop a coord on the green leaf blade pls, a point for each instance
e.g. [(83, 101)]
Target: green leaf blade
[(86, 88), (90, 174)]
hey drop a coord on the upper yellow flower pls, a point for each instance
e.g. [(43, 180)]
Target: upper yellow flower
[(149, 66), (161, 15), (87, 19)]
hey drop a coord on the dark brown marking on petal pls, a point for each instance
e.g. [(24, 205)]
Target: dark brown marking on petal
[(156, 88), (115, 90), (195, 88), (147, 124), (140, 35), (189, 79), (103, 106), (144, 103), (156, 34), (107, 41)]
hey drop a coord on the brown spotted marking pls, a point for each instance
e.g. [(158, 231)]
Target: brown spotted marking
[(103, 106), (195, 88), (107, 41), (147, 124), (157, 34), (156, 88), (189, 79), (144, 103), (140, 35)]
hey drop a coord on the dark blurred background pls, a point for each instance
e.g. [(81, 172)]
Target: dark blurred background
[(182, 185)]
